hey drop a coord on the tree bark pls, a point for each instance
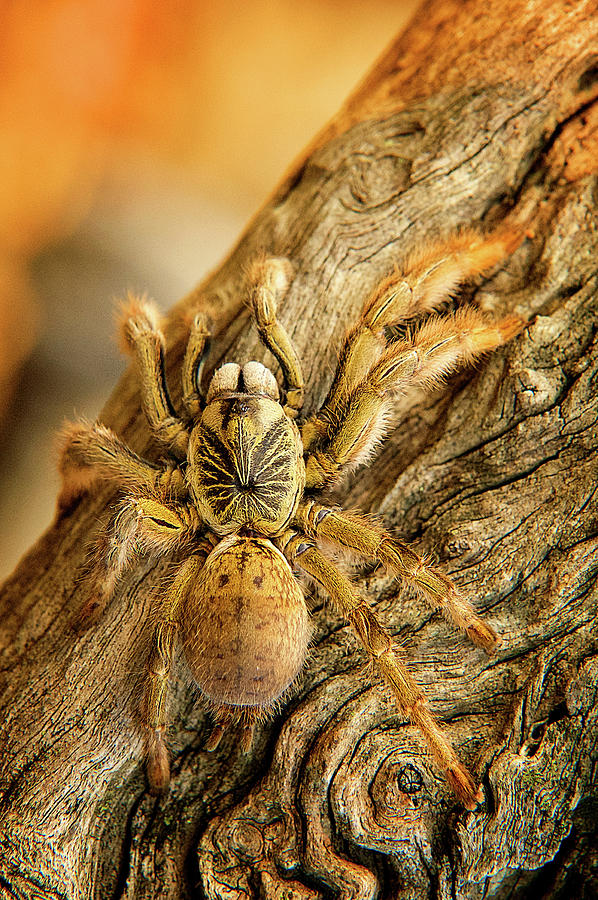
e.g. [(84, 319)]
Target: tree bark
[(480, 113)]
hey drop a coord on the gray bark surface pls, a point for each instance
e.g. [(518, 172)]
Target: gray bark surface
[(479, 114)]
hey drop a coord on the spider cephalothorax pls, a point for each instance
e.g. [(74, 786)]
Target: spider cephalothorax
[(238, 506), (245, 458)]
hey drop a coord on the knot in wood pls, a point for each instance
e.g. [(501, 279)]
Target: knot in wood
[(409, 779), (247, 842)]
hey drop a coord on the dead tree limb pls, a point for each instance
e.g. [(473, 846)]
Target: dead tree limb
[(479, 113)]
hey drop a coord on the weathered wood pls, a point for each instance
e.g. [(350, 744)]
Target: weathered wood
[(479, 113)]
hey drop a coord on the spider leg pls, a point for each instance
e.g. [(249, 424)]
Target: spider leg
[(429, 278), (140, 524), (379, 644), (144, 340), (92, 452), (268, 283), (195, 356), (154, 714), (423, 358), (372, 541)]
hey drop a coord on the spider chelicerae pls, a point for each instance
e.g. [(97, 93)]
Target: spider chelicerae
[(238, 503)]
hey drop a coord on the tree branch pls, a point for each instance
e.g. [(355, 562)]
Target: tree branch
[(478, 114)]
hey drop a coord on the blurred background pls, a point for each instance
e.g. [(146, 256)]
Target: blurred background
[(137, 137)]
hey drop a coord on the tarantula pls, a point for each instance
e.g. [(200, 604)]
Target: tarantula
[(238, 499)]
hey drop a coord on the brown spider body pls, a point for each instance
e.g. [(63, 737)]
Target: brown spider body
[(245, 628), (238, 506)]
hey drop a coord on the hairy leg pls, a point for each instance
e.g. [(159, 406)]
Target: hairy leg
[(423, 358), (144, 340), (140, 525), (268, 283), (379, 644), (195, 355), (428, 278), (154, 713), (370, 540), (93, 452)]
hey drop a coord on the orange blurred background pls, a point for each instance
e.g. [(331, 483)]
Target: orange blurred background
[(136, 139)]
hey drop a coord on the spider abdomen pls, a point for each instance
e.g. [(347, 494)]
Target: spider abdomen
[(245, 625)]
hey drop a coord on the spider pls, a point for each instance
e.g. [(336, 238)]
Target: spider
[(238, 503)]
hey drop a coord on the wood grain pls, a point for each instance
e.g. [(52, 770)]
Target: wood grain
[(480, 113)]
